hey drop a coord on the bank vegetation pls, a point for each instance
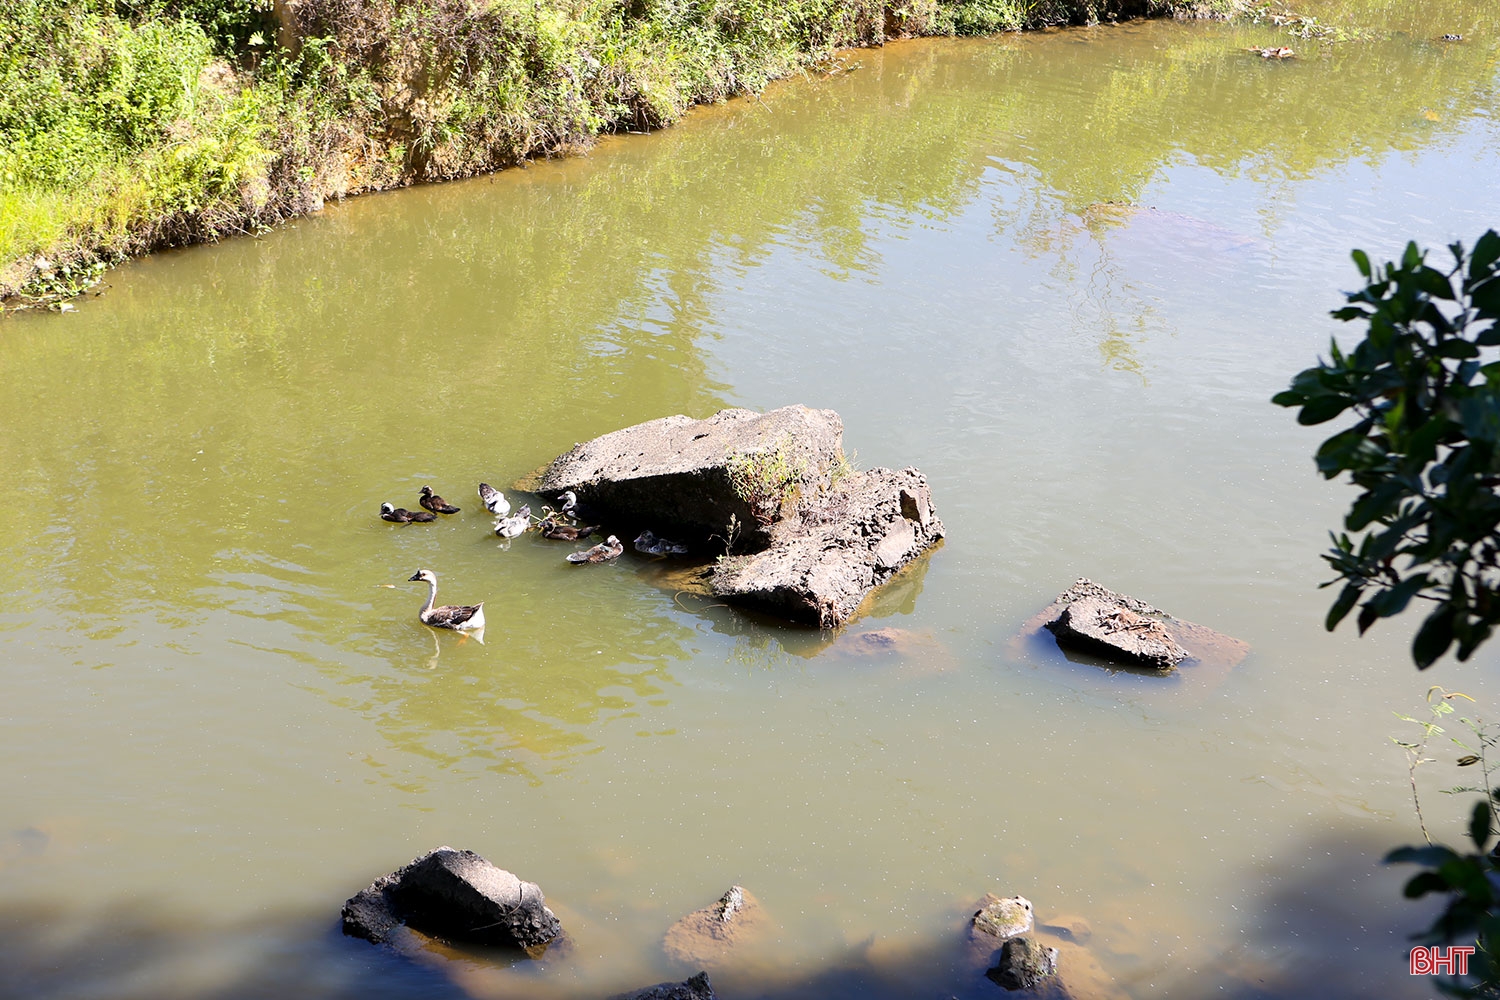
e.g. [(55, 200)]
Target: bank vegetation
[(131, 125)]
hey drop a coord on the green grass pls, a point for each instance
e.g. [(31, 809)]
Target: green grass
[(130, 125)]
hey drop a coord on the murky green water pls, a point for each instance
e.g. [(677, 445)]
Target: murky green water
[(219, 722)]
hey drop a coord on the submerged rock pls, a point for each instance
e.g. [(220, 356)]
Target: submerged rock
[(456, 896), (696, 988), (823, 561), (1024, 963), (1116, 632), (1126, 630), (707, 936)]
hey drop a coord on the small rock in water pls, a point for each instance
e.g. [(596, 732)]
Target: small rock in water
[(707, 936), (1024, 963), (696, 988), (1112, 630), (457, 896)]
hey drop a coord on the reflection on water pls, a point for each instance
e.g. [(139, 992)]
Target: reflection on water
[(1061, 273)]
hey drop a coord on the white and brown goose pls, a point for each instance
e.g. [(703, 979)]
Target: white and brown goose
[(464, 618)]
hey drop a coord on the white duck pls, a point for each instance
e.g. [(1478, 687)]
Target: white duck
[(511, 527), (455, 616), (493, 500)]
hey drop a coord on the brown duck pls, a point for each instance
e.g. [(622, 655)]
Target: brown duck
[(552, 528), (400, 515), (435, 503), (606, 550)]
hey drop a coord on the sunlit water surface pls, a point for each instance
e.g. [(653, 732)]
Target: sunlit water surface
[(1060, 273)]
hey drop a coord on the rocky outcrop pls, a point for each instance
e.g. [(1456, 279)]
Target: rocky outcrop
[(825, 558), (812, 538), (1024, 964), (456, 896), (696, 988), (706, 937), (677, 475)]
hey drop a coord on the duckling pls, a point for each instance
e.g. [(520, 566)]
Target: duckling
[(400, 515), (606, 550), (435, 503), (455, 616), (552, 528), (511, 527), (494, 501), (653, 545)]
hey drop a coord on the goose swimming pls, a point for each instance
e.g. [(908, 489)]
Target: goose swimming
[(494, 501), (435, 503), (606, 550), (512, 527), (455, 616), (654, 545), (400, 515)]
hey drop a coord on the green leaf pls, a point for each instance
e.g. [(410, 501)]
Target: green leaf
[(1393, 600), (1362, 261), (1321, 409), (1422, 883), (1434, 637), (1341, 607), (1432, 854), (1485, 256), (1457, 349), (1479, 824)]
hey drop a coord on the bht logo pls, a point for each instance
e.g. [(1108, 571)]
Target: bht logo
[(1435, 961)]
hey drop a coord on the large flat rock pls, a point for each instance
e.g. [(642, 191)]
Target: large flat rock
[(673, 474), (824, 559)]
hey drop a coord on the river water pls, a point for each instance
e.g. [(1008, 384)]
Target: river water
[(1061, 273)]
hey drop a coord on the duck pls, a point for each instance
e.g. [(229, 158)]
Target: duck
[(606, 550), (494, 501), (511, 527), (569, 504), (552, 528), (1271, 51), (463, 618), (435, 503), (400, 515), (653, 545)]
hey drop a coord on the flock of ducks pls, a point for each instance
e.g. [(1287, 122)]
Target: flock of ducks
[(561, 524)]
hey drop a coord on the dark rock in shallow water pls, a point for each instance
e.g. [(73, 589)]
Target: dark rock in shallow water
[(696, 988), (1117, 633), (1024, 964), (457, 896), (824, 559), (674, 473), (1203, 648)]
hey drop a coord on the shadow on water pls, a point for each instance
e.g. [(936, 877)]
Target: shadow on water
[(1323, 906)]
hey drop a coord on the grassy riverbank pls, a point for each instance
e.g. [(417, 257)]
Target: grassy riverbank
[(130, 125)]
